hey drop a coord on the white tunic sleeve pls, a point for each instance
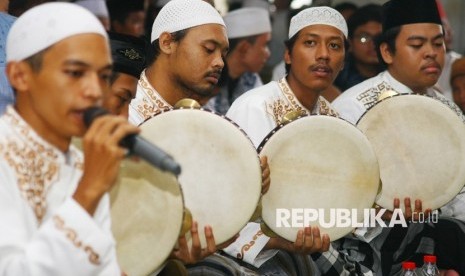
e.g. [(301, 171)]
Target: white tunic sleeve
[(67, 242), (251, 117)]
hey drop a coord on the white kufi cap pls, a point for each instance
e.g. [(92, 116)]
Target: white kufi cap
[(247, 22), (316, 16), (179, 15), (47, 24), (97, 7)]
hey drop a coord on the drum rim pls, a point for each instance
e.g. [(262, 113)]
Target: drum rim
[(224, 118), (335, 119), (413, 96), (282, 125), (157, 265)]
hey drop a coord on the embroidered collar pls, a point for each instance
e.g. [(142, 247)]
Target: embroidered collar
[(322, 106), (148, 101), (28, 135)]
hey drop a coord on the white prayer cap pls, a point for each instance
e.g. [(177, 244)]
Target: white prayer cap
[(247, 22), (179, 15), (97, 7), (47, 24), (315, 16)]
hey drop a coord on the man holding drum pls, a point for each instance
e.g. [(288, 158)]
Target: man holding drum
[(314, 56), (55, 207), (189, 44), (412, 49)]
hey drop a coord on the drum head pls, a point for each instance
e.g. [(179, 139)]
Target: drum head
[(420, 146), (147, 212), (318, 163), (221, 174)]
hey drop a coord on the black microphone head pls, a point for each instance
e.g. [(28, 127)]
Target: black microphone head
[(93, 112)]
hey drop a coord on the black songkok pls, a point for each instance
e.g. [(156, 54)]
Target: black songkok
[(128, 53), (402, 12)]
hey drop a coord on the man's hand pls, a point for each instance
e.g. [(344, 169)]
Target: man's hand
[(408, 213), (102, 158), (196, 253), (308, 241)]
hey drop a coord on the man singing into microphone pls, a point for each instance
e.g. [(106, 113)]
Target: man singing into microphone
[(53, 203)]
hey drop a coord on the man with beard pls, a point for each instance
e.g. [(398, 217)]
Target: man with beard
[(188, 56), (189, 44)]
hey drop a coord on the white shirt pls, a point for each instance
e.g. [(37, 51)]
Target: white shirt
[(354, 102), (147, 102), (261, 109), (43, 230), (258, 112)]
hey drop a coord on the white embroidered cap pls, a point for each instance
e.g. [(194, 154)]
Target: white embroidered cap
[(179, 15), (247, 22), (47, 24), (315, 16), (97, 7)]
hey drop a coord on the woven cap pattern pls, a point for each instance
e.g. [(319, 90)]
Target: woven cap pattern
[(316, 16), (46, 25), (179, 15)]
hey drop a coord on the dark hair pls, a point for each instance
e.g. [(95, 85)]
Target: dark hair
[(233, 42), (119, 10), (35, 61), (389, 37), (345, 6), (363, 15), (154, 51), (289, 45)]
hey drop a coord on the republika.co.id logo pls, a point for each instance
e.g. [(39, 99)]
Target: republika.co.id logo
[(339, 217)]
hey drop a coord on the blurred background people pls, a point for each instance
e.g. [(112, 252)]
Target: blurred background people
[(249, 32), (127, 17), (443, 83), (347, 9), (6, 92), (361, 60), (457, 82)]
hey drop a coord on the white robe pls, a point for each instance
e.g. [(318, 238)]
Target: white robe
[(354, 102), (44, 231), (147, 102), (258, 112)]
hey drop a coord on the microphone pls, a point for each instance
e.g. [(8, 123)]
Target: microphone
[(138, 145)]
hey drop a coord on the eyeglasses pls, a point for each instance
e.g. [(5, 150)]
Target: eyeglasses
[(364, 38)]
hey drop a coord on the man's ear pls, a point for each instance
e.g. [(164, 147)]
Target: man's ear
[(165, 42), (386, 53), (19, 74), (287, 57)]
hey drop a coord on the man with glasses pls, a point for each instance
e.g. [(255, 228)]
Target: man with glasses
[(361, 61)]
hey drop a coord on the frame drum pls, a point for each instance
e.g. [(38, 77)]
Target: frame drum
[(147, 214), (318, 163), (221, 175), (420, 145)]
